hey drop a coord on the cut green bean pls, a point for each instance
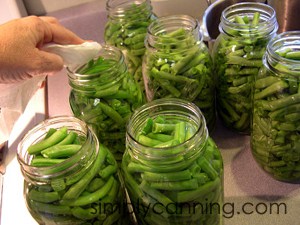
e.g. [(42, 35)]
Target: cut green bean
[(90, 198), (79, 187), (52, 140), (60, 151), (45, 197)]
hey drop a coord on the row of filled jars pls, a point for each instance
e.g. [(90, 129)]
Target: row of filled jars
[(168, 163), (171, 171), (250, 79)]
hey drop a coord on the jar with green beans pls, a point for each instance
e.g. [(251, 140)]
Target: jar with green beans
[(126, 29), (275, 136), (68, 175), (172, 169), (178, 64), (104, 94), (245, 30)]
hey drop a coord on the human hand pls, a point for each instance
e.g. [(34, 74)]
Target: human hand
[(20, 43)]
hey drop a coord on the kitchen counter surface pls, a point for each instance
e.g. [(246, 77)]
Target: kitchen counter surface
[(251, 196)]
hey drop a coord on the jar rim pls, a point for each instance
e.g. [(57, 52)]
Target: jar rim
[(283, 40), (158, 104), (170, 23), (267, 25), (44, 172), (119, 3), (117, 8), (82, 82), (105, 49)]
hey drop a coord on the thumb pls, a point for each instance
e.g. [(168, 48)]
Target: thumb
[(47, 63)]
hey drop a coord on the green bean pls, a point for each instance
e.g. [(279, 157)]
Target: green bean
[(180, 132), (175, 176), (255, 19), (79, 187), (108, 171), (156, 194), (237, 60), (169, 76), (45, 143), (178, 66), (166, 85), (148, 141), (282, 102), (84, 214), (175, 185), (44, 197), (160, 137), (90, 198), (112, 113), (293, 55), (186, 196), (60, 151), (42, 162), (148, 127), (288, 109), (50, 132), (95, 184), (276, 87), (167, 144), (265, 82), (202, 178), (163, 128), (69, 139), (52, 209), (207, 168), (113, 194)]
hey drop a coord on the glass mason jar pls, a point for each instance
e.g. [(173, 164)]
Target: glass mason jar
[(177, 64), (172, 169), (245, 30), (68, 175), (126, 29), (275, 136), (104, 94)]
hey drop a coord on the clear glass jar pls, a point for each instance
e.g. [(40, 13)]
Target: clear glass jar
[(61, 188), (275, 136), (245, 30), (104, 94), (126, 29), (177, 64), (172, 169)]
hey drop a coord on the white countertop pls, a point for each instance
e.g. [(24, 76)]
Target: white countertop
[(14, 211)]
